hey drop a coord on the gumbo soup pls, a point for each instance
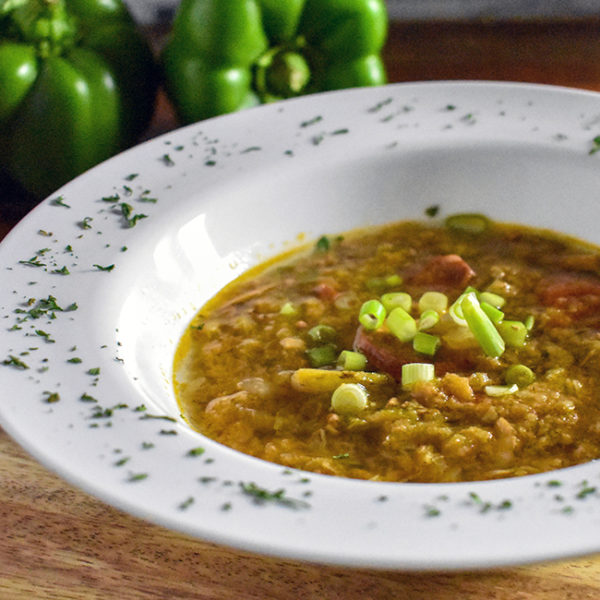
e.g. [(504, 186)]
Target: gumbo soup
[(415, 352)]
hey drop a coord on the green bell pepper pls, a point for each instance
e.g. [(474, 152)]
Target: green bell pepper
[(224, 55), (77, 85)]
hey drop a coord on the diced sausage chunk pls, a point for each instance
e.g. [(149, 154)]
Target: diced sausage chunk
[(444, 272), (382, 353), (578, 296)]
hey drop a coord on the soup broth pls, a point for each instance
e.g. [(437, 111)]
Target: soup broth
[(483, 364)]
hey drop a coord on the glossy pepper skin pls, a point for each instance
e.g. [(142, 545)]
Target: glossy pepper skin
[(224, 55), (77, 85)]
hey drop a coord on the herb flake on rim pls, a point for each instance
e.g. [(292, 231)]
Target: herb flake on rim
[(13, 361), (263, 496), (107, 268), (312, 121), (59, 201), (595, 145)]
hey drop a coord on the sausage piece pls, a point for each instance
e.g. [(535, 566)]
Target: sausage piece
[(577, 296), (383, 352), (387, 354), (443, 273)]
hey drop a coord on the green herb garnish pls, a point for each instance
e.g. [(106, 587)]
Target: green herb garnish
[(107, 268), (44, 335), (323, 244), (432, 211), (127, 213), (380, 105), (13, 361), (186, 503), (312, 121), (199, 451), (51, 397), (85, 223), (262, 495), (59, 201), (160, 417), (32, 262), (87, 398), (432, 511)]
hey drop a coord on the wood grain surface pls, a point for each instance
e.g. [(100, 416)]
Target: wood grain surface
[(59, 543)]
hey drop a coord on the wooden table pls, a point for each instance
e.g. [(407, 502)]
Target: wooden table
[(59, 543)]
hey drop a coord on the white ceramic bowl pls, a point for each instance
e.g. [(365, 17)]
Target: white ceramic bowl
[(88, 391)]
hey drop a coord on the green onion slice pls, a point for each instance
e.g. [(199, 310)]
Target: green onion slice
[(481, 326), (495, 314), (395, 299), (288, 310), (501, 390), (393, 280), (514, 333), (401, 324), (520, 375), (351, 361), (322, 356), (468, 223), (424, 343), (494, 299), (372, 314), (379, 284), (349, 399), (415, 372), (322, 334), (456, 312), (428, 319), (433, 301)]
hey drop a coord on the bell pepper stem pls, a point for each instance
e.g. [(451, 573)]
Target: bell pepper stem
[(44, 23), (281, 73)]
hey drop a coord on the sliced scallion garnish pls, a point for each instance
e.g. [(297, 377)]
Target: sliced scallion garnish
[(433, 301), (494, 299), (514, 333), (394, 299), (351, 361), (372, 314), (501, 390), (322, 334), (393, 280), (455, 311), (322, 356), (424, 343), (468, 223), (481, 326), (401, 324), (520, 375), (349, 399), (288, 310), (415, 372), (495, 314), (428, 319)]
